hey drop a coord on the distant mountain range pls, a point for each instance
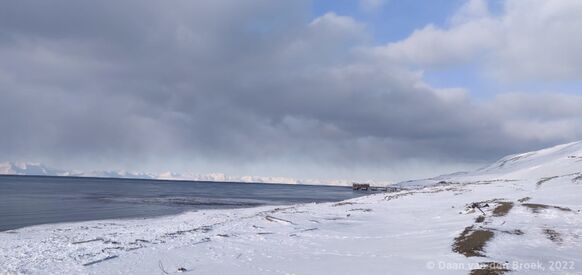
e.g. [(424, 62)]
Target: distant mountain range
[(37, 169)]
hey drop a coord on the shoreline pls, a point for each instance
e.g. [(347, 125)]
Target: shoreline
[(526, 211), (392, 232)]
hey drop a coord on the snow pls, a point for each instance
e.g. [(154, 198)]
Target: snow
[(410, 231), (561, 160), (24, 168)]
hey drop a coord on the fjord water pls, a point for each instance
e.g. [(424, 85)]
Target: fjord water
[(32, 200)]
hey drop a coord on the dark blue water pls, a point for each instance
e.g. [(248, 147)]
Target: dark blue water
[(31, 200)]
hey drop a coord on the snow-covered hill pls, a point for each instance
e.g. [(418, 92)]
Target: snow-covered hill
[(559, 161), (521, 214)]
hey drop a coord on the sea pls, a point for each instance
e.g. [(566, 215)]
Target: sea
[(34, 200)]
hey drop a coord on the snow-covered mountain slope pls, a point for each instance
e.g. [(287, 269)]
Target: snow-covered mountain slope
[(520, 215), (559, 161)]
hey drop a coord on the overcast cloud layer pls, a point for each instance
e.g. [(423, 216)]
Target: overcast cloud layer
[(262, 87)]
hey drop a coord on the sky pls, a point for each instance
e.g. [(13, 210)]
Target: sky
[(363, 90)]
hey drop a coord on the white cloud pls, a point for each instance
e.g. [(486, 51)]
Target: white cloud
[(528, 40), (333, 28), (332, 21), (372, 5), (471, 10), (433, 46)]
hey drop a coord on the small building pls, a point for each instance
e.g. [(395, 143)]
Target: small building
[(360, 186)]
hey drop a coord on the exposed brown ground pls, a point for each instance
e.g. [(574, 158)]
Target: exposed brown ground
[(489, 268), (502, 209), (536, 207), (472, 241)]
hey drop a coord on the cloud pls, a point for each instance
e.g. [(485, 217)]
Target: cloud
[(532, 40), (542, 116), (226, 86), (371, 5)]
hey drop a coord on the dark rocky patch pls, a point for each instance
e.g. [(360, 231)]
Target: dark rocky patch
[(361, 209), (472, 241), (490, 268), (517, 232), (342, 203), (522, 200), (536, 207), (553, 235), (502, 209), (542, 180)]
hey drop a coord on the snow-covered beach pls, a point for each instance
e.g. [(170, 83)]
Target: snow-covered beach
[(531, 223)]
